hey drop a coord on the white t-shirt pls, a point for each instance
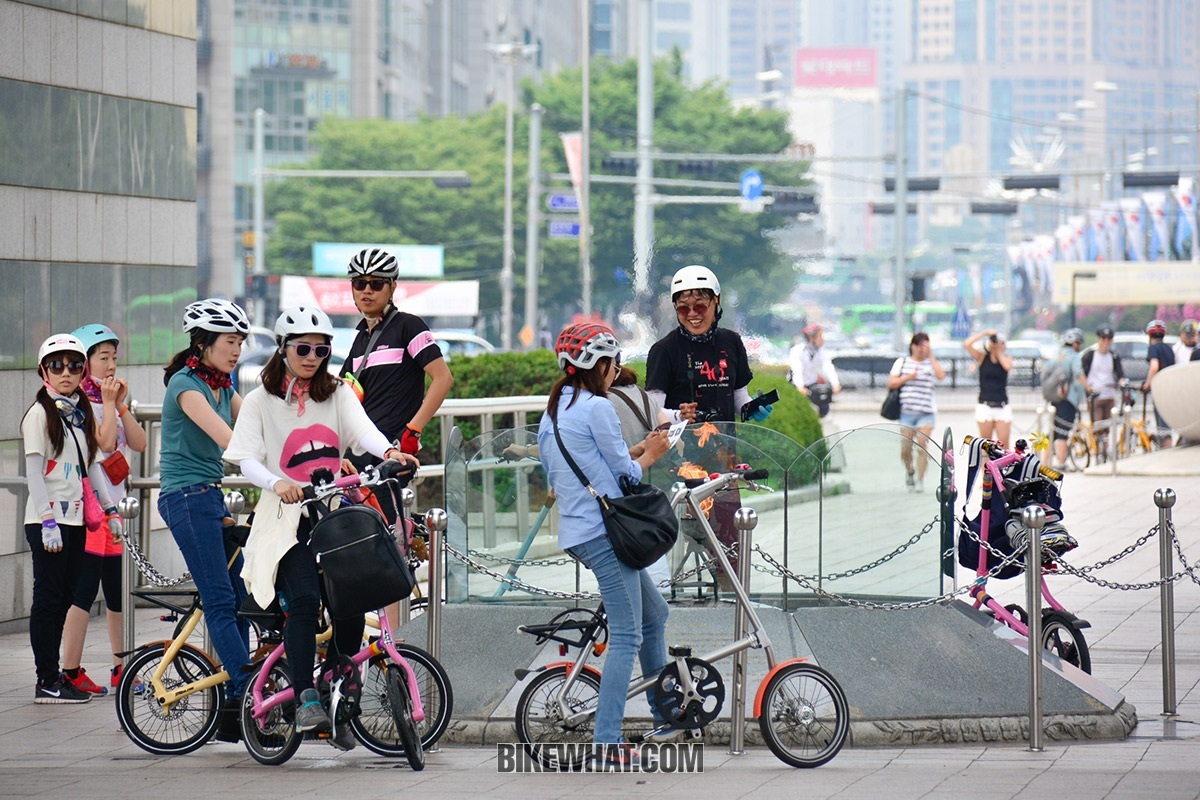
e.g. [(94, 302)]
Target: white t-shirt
[(1101, 376), (272, 431), (63, 476), (114, 492), (1183, 353)]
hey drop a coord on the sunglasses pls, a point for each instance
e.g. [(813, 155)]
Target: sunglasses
[(683, 309), (302, 349), (58, 367), (376, 284)]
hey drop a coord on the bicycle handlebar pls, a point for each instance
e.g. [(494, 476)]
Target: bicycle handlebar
[(325, 485), (995, 450), (746, 474)]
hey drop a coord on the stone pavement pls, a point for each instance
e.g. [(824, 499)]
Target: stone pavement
[(79, 751)]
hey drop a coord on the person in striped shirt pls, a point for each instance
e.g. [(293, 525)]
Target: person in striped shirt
[(914, 376)]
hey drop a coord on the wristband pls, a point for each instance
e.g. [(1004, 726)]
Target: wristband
[(49, 523), (121, 413)]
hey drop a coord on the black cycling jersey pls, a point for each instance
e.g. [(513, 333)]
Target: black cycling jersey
[(393, 379)]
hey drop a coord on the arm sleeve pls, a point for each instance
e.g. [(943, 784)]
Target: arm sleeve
[(660, 398), (35, 470), (247, 440), (375, 443), (100, 485), (741, 396), (258, 474)]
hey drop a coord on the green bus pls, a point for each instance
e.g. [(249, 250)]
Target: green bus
[(875, 319)]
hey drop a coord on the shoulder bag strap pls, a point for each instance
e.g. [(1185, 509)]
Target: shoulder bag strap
[(645, 420), (571, 463), (375, 334)]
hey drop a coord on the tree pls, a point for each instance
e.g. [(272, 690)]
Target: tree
[(469, 222)]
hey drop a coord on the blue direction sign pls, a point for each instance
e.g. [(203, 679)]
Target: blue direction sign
[(752, 184), (562, 201), (564, 229), (960, 326)]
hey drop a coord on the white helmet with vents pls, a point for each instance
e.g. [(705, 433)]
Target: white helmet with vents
[(299, 320), (218, 316)]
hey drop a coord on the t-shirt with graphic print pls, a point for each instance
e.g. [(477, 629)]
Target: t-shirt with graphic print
[(705, 373), (393, 380), (293, 445), (63, 477)]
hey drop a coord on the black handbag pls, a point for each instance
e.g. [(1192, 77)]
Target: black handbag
[(641, 524), (361, 565), (891, 405)]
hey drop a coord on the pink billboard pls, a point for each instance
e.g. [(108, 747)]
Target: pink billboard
[(836, 68)]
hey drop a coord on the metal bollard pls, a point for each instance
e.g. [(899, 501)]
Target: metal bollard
[(745, 520), (1164, 499), (435, 522), (129, 508), (1034, 518)]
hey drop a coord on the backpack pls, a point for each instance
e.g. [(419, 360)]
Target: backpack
[(1056, 383)]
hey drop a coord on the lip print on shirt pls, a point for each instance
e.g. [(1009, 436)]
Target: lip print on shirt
[(309, 449)]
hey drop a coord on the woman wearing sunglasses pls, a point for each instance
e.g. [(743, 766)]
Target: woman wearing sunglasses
[(700, 372), (197, 417), (59, 435), (299, 420)]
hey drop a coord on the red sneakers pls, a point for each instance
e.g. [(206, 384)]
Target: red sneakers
[(85, 684), (116, 675)]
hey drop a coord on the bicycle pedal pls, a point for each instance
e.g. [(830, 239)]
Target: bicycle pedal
[(679, 652)]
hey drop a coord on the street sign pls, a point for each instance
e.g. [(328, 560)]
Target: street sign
[(565, 202), (960, 326), (564, 228), (752, 184)]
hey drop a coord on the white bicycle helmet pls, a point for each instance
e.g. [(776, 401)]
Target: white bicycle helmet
[(1073, 336), (373, 263), (61, 343), (299, 320), (695, 277), (218, 316), (583, 344)]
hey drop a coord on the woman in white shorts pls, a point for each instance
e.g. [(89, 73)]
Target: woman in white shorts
[(993, 414)]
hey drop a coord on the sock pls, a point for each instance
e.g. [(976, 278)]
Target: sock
[(72, 673)]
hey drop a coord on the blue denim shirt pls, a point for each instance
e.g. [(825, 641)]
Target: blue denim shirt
[(591, 433)]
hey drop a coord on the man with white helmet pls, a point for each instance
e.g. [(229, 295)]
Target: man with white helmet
[(700, 372), (390, 358)]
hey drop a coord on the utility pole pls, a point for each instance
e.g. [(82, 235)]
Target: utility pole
[(533, 223), (901, 196), (260, 303), (585, 166), (643, 209)]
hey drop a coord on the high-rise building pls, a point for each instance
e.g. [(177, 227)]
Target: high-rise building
[(97, 203), (308, 60)]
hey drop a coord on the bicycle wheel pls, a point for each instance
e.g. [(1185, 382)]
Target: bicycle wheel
[(539, 722), (375, 725), (1078, 451), (804, 719), (401, 705), (188, 723), (274, 739), (1062, 637)]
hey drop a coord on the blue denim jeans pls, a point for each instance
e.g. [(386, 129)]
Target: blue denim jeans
[(637, 623), (194, 514)]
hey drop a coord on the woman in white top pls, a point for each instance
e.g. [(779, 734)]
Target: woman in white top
[(914, 376), (299, 420)]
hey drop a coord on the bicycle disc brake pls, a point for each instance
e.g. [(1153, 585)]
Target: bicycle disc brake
[(340, 686), (689, 709)]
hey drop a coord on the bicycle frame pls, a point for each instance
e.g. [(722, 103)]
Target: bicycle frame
[(757, 637), (993, 476), (384, 644)]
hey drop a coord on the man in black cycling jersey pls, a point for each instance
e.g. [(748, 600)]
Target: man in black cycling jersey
[(390, 381)]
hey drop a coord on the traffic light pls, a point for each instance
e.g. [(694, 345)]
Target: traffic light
[(1146, 180), (890, 208), (794, 203), (916, 289), (698, 166), (619, 165), (1031, 182), (1000, 207), (914, 184)]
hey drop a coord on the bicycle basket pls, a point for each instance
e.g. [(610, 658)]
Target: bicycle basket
[(361, 565)]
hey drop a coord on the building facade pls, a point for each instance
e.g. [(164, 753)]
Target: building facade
[(97, 204)]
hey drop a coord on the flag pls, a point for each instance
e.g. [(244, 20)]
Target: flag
[(1156, 210), (1078, 225), (573, 148), (1134, 215), (1185, 196), (1097, 243), (1112, 231)]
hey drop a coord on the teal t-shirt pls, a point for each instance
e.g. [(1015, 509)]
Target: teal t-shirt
[(189, 456)]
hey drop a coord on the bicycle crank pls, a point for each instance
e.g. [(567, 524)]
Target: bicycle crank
[(692, 700)]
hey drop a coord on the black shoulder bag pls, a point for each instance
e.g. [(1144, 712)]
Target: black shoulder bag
[(641, 524)]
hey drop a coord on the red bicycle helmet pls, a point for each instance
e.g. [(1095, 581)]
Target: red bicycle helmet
[(1156, 328), (583, 344)]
